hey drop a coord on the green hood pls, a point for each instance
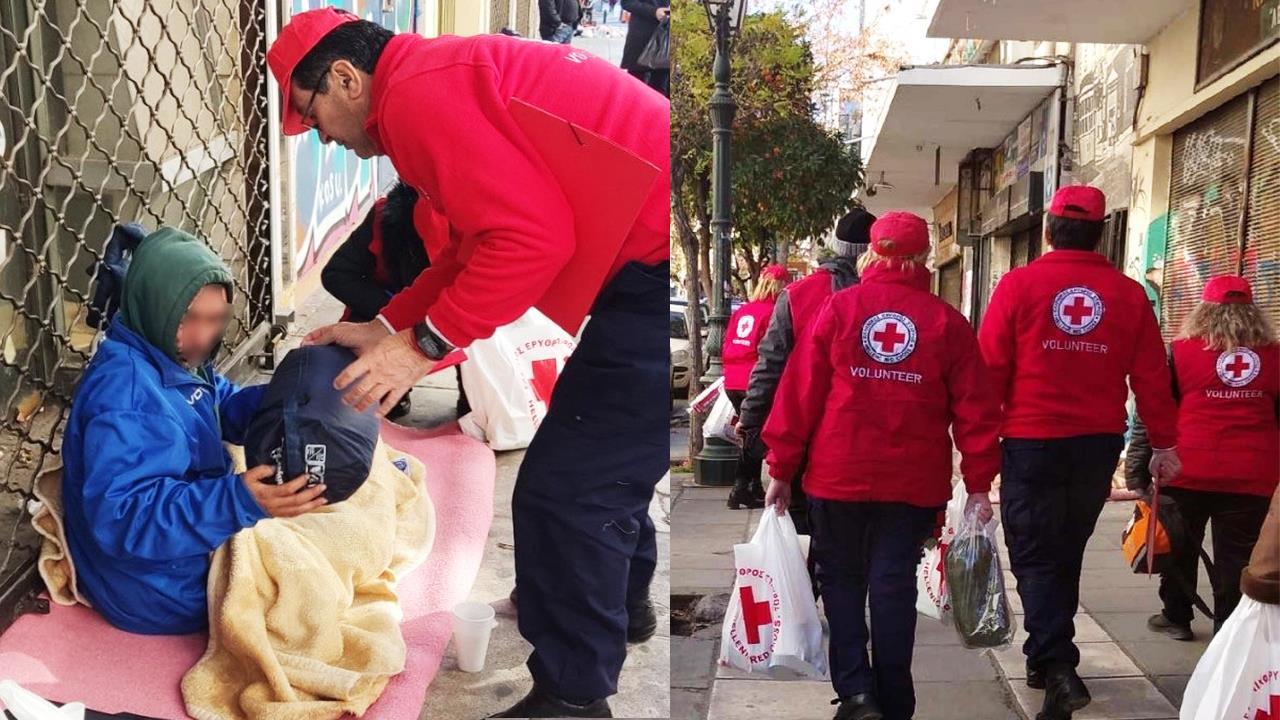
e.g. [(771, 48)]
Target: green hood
[(168, 269)]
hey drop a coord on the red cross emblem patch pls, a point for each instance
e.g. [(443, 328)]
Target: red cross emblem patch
[(756, 627), (1077, 310), (1238, 367), (888, 337)]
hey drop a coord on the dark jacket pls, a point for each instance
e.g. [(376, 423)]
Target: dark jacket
[(643, 22), (776, 346), (364, 277), (554, 12)]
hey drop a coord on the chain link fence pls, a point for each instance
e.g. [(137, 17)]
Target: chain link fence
[(149, 111)]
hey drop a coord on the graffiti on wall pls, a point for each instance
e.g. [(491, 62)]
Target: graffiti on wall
[(332, 188), (1106, 95)]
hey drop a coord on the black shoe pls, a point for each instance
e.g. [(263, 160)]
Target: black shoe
[(1057, 693), (401, 409), (1078, 696), (858, 707), (1161, 624), (540, 704), (1035, 678), (743, 498)]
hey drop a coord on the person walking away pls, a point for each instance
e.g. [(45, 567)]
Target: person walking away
[(558, 19), (1226, 366), (444, 112), (793, 316), (1061, 337), (646, 15), (746, 326), (869, 404)]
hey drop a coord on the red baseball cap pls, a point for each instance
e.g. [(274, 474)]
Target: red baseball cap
[(899, 234), (1227, 289), (1080, 202), (776, 272), (295, 40)]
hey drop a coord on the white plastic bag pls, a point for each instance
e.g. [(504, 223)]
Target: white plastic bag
[(509, 377), (705, 399), (772, 618), (932, 597), (719, 422), (1239, 674), (26, 705)]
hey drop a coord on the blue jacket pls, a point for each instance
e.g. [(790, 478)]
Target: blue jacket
[(148, 489)]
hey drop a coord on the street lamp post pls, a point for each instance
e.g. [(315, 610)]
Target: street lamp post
[(717, 463)]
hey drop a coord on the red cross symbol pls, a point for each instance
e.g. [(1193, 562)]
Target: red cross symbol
[(544, 379), (889, 338), (1078, 310), (1238, 366), (754, 614), (1273, 713)]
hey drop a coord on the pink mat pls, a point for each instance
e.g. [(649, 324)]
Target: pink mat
[(73, 654)]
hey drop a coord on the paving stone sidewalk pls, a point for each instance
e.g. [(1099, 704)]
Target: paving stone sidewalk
[(1133, 674)]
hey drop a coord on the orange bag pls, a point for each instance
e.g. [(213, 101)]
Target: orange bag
[(1145, 540)]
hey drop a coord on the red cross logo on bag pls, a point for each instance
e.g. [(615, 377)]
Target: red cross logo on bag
[(888, 337), (1272, 713), (1077, 310), (758, 603), (1238, 367)]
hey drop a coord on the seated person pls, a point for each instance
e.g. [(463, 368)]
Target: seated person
[(383, 256), (148, 488)]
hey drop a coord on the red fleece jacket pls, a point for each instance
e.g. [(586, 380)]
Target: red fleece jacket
[(1061, 336), (439, 112), (871, 397)]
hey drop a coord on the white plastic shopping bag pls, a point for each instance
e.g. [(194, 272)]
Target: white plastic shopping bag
[(932, 597), (509, 377), (705, 399), (26, 705), (1239, 674), (719, 422), (772, 618)]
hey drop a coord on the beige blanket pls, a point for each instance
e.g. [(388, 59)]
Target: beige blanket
[(304, 621)]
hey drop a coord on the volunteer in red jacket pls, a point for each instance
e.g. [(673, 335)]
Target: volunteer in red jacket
[(444, 111), (747, 325), (1061, 337), (1226, 366), (869, 403)]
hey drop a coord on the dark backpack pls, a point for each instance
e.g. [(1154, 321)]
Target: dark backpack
[(108, 273)]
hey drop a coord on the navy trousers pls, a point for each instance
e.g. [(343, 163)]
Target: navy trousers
[(870, 549), (1051, 493), (584, 543)]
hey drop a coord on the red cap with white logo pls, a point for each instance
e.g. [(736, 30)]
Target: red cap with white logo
[(296, 39), (1226, 290)]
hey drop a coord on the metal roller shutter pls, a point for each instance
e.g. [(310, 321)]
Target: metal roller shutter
[(1262, 243), (1205, 201)]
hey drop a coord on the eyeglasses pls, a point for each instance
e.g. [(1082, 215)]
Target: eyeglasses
[(307, 121)]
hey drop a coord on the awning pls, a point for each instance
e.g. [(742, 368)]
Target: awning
[(937, 114), (1089, 21)]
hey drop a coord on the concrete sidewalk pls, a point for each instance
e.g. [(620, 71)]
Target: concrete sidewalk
[(1132, 673)]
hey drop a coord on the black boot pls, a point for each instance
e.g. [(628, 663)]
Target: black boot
[(541, 704), (857, 707), (642, 622), (1057, 705), (742, 497)]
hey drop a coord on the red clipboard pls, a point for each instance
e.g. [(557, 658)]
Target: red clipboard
[(588, 168)]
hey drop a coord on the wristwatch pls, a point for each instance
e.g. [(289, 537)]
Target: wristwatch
[(431, 344)]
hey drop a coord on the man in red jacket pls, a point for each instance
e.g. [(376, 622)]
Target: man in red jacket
[(869, 404), (442, 111), (1061, 337)]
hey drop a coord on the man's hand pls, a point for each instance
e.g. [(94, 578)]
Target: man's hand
[(288, 500), (384, 373), (981, 503), (663, 14), (359, 337), (778, 496), (1164, 466)]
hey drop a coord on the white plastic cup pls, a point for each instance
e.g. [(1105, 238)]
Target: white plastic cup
[(473, 623)]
